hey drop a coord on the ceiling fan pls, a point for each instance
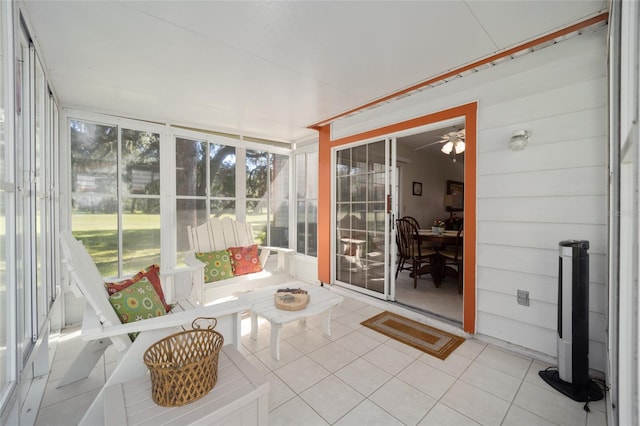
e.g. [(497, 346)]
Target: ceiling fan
[(453, 142)]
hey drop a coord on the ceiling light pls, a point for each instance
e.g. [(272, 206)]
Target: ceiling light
[(447, 147), (459, 147)]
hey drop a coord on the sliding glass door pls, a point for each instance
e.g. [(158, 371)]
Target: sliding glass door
[(364, 183)]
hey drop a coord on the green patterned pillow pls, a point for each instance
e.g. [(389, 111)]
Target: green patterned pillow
[(217, 265), (137, 302)]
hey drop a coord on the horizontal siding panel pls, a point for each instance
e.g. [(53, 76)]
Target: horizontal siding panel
[(544, 157), (541, 314), (559, 182), (510, 81), (534, 338), (541, 235), (574, 126), (598, 300), (579, 210), (560, 100), (540, 71), (533, 261), (597, 327), (527, 260), (540, 287), (597, 356)]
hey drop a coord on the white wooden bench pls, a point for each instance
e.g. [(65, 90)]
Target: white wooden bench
[(220, 234), (240, 397), (101, 325)]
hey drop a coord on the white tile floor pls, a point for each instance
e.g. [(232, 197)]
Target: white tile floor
[(359, 377), (444, 301)]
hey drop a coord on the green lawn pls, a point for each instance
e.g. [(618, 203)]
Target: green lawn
[(88, 222), (141, 240)]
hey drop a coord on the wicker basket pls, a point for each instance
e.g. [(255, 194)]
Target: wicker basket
[(184, 366), (291, 300)]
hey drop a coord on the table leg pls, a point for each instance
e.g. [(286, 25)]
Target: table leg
[(275, 341), (437, 271), (254, 326), (326, 322), (424, 269)]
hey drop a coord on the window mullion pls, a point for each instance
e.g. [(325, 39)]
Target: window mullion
[(208, 195), (168, 197), (241, 183), (119, 202)]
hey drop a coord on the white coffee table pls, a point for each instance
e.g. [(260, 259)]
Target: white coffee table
[(321, 301)]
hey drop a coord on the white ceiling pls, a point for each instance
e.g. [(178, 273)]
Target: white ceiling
[(269, 69)]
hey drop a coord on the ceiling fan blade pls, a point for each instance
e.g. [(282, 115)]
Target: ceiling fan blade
[(428, 145)]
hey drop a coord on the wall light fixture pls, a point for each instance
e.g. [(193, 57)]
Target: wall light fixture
[(519, 140)]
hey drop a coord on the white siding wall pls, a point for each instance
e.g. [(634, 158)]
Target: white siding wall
[(306, 268), (530, 200)]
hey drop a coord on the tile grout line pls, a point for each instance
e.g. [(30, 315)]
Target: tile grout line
[(511, 403)]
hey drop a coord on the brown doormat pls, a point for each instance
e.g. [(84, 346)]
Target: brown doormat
[(428, 339)]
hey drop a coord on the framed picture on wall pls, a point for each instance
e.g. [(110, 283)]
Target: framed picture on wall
[(456, 190), (417, 188)]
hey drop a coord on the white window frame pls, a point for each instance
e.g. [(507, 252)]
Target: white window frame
[(9, 312), (168, 134), (305, 150)]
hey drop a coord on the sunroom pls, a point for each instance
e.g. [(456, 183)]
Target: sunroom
[(128, 122)]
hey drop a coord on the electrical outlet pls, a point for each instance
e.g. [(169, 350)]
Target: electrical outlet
[(523, 297)]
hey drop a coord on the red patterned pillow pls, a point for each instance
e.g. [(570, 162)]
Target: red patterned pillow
[(245, 260), (151, 273)]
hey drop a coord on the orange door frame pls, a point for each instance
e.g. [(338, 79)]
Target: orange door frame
[(469, 112)]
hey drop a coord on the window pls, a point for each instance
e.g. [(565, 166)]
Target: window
[(127, 221), (267, 202), (140, 202), (43, 292), (306, 179), (98, 206), (203, 188), (28, 155)]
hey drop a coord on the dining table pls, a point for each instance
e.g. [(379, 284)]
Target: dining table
[(438, 240)]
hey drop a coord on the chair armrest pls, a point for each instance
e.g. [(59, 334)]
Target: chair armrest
[(284, 257), (195, 267), (169, 278), (278, 249), (193, 264), (172, 319)]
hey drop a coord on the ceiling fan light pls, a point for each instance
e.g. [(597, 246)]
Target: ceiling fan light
[(447, 147), (460, 147)]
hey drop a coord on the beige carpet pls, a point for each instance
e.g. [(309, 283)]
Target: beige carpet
[(421, 336)]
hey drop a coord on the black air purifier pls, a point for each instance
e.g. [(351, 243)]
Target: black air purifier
[(572, 376)]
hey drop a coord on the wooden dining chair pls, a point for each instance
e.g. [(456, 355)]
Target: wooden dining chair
[(410, 250), (413, 220), (452, 255), (426, 245)]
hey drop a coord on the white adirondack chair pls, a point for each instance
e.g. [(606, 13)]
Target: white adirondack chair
[(219, 234), (101, 326)]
